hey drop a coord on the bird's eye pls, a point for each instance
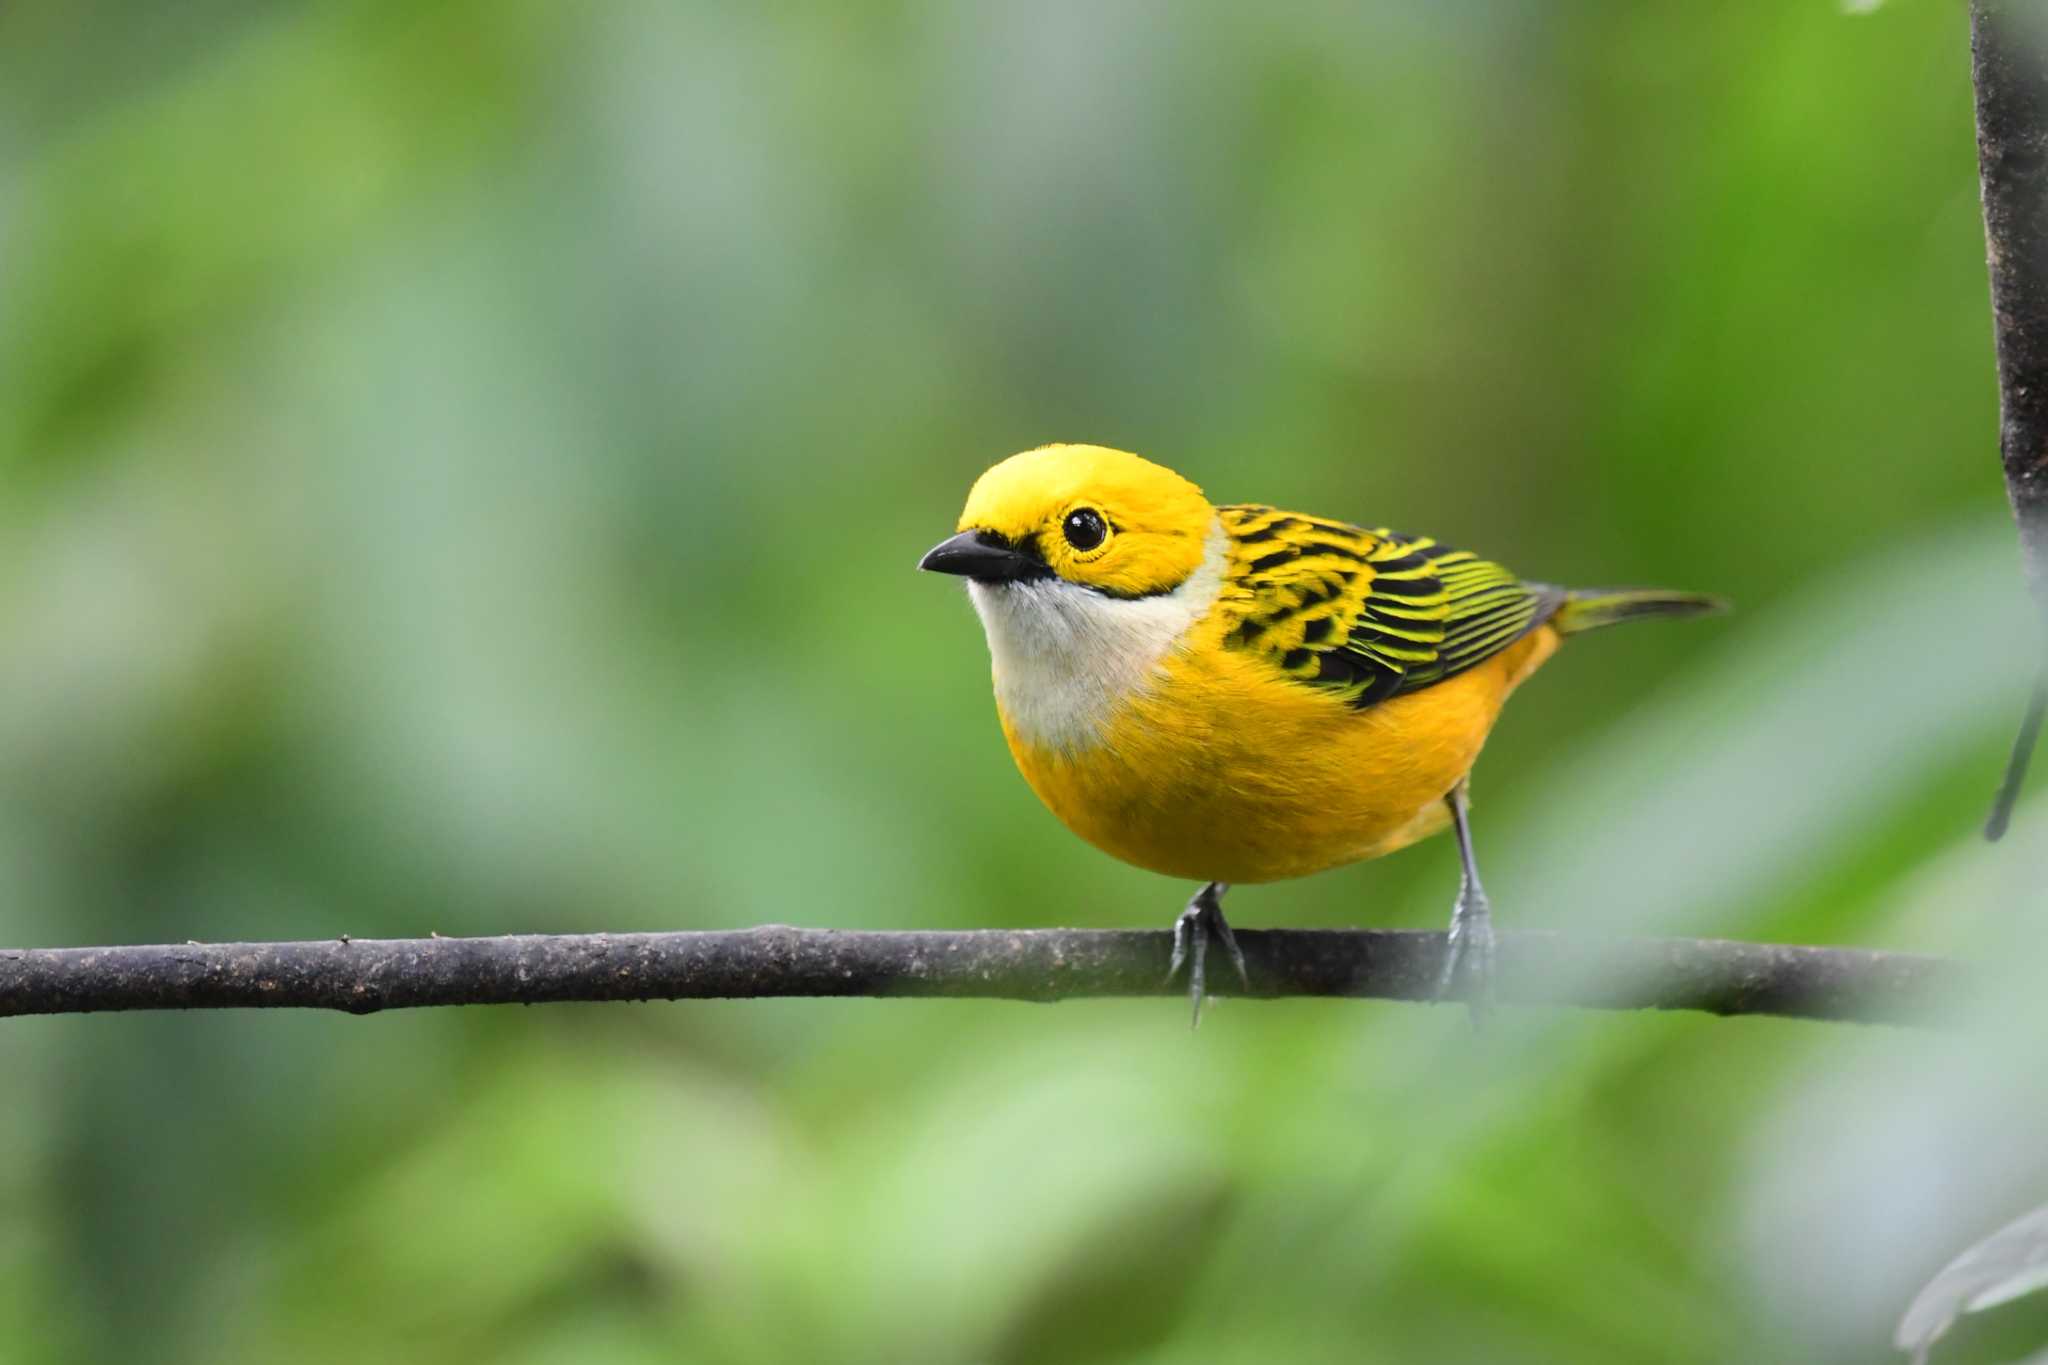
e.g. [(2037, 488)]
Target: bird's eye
[(1084, 528)]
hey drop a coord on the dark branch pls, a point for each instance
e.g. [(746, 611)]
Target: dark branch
[(361, 976), (2007, 64)]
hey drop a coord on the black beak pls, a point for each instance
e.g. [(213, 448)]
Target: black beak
[(985, 557)]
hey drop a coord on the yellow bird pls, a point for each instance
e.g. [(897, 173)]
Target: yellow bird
[(1239, 694)]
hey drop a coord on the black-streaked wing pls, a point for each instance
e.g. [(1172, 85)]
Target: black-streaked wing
[(1371, 614)]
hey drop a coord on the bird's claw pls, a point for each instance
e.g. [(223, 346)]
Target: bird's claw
[(1201, 921), (1469, 953)]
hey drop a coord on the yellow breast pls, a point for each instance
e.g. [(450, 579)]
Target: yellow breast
[(1220, 769)]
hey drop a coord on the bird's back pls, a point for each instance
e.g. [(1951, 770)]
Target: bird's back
[(1368, 614)]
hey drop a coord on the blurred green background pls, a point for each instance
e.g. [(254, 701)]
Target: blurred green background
[(463, 469)]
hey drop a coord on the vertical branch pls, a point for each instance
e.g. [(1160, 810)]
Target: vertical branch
[(2011, 78)]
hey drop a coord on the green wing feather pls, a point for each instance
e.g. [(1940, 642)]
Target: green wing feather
[(1370, 614)]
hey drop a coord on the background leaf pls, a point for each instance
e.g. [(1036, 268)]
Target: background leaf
[(2009, 1263)]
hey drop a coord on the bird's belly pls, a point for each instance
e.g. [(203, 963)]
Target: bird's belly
[(1226, 773)]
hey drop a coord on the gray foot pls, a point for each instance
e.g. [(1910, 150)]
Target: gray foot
[(1469, 953), (1201, 921)]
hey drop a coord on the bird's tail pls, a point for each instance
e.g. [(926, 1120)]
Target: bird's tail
[(1591, 608)]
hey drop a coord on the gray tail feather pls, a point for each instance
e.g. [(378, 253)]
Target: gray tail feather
[(1591, 608)]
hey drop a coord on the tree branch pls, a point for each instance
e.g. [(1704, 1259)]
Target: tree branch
[(361, 976), (2010, 73)]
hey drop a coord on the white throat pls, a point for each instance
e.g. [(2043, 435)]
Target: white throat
[(1066, 656)]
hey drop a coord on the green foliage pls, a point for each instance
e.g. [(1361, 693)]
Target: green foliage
[(464, 469)]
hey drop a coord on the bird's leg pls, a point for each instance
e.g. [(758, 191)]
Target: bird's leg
[(1470, 946), (1202, 920)]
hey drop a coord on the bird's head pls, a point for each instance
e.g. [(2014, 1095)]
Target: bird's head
[(1085, 516), (1088, 568)]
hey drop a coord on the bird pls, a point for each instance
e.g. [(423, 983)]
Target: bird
[(1236, 694)]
